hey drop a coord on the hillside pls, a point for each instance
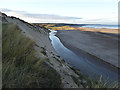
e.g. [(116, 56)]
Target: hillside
[(43, 49), (29, 59)]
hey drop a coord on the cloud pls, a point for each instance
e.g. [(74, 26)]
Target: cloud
[(49, 18), (38, 18)]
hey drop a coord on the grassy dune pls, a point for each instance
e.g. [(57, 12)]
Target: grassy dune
[(21, 69)]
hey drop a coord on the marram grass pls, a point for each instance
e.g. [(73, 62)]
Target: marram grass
[(20, 67)]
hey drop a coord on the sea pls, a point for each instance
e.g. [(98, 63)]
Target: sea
[(101, 26)]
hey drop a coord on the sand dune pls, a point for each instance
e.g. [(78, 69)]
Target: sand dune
[(41, 39)]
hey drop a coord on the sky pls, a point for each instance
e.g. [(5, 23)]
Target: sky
[(63, 11)]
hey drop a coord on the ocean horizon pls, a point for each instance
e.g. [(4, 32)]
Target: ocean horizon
[(101, 26)]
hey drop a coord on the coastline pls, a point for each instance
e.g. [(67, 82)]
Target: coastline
[(73, 45)]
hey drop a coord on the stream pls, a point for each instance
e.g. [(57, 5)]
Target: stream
[(87, 65)]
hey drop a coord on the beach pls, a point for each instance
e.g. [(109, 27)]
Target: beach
[(98, 44)]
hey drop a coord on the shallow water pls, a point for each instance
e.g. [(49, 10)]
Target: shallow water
[(87, 65)]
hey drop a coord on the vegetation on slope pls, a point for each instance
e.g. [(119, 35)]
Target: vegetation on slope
[(88, 82), (20, 67)]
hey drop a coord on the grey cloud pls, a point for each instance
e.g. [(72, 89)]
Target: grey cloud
[(42, 16)]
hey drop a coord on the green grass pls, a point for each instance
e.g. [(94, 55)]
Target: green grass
[(92, 83), (103, 84), (20, 67), (63, 60), (43, 51)]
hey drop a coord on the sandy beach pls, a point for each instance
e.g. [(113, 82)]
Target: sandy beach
[(101, 45)]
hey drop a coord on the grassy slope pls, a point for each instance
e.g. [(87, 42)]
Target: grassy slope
[(20, 66)]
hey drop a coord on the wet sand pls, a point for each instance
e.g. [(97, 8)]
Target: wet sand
[(100, 45)]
